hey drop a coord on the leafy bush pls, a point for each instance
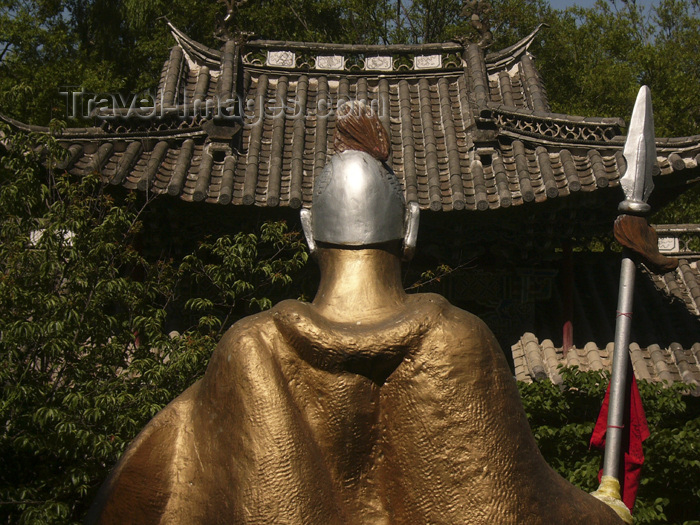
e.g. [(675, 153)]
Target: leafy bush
[(562, 421), (85, 360)]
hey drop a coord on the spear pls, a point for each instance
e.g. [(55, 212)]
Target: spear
[(637, 184), (640, 153)]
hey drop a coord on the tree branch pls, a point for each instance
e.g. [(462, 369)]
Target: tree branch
[(2, 54), (303, 22)]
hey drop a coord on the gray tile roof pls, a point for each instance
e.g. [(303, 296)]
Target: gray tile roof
[(535, 361), (682, 284), (468, 130)]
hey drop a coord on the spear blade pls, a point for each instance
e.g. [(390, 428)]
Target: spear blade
[(640, 154)]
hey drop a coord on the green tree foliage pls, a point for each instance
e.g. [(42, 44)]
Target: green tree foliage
[(238, 275), (594, 61), (85, 360), (430, 21), (562, 421)]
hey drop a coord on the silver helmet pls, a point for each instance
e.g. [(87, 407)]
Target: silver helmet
[(358, 201)]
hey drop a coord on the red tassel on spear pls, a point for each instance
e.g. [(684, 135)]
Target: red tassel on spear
[(635, 431)]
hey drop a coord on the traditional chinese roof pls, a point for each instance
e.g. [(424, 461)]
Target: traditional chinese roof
[(469, 130), (535, 361), (682, 285)]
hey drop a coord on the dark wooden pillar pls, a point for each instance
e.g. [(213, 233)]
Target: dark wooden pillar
[(567, 275)]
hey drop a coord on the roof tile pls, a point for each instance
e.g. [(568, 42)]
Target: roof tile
[(653, 363)]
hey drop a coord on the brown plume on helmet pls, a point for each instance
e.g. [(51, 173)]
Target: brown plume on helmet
[(357, 127)]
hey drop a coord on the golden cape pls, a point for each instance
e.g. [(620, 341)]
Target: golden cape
[(302, 421)]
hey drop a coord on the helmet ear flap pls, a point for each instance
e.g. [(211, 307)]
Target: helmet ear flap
[(410, 229), (307, 226)]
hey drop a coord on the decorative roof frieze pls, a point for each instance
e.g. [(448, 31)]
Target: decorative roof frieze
[(330, 62), (555, 127), (285, 59), (352, 59), (427, 62), (203, 55)]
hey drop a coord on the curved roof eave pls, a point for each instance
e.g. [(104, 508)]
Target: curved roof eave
[(206, 56)]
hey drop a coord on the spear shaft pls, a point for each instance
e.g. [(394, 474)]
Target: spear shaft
[(620, 372)]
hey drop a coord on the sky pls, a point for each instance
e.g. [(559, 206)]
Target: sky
[(563, 4)]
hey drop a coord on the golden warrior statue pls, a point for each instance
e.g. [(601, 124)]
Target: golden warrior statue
[(366, 407)]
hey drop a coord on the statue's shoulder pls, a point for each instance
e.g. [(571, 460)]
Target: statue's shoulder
[(258, 330), (252, 325), (452, 321), (437, 305)]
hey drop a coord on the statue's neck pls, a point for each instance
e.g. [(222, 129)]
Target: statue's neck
[(359, 285)]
